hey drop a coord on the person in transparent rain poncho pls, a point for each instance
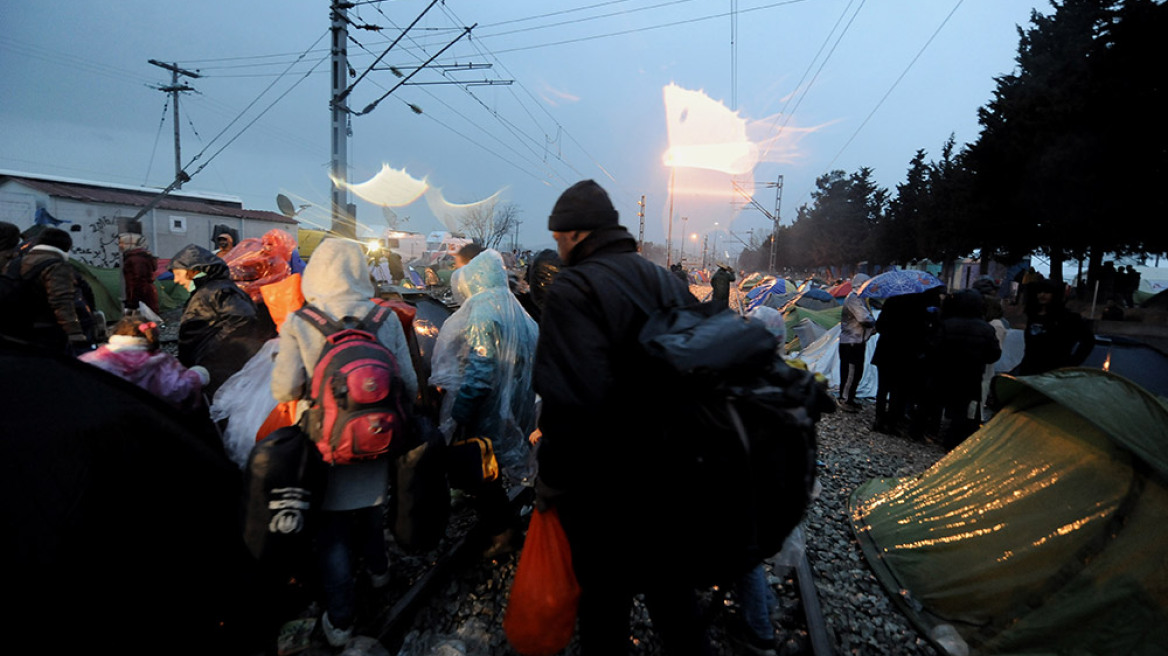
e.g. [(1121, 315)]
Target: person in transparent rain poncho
[(482, 364)]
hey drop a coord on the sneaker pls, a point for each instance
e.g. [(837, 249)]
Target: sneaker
[(336, 637), (850, 406)]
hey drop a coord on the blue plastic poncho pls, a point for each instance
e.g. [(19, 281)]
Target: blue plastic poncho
[(483, 359)]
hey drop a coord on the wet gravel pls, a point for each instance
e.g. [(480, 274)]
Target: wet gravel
[(466, 617)]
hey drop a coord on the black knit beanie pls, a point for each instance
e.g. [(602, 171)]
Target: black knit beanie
[(584, 206)]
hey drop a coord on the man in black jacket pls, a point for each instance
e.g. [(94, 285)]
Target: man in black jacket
[(221, 328), (600, 434), (967, 344), (720, 285)]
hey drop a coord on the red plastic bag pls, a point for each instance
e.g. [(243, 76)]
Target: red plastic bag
[(541, 611)]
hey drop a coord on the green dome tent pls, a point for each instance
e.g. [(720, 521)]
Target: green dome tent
[(1044, 532)]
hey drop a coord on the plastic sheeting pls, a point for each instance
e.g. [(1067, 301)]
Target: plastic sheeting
[(822, 357), (492, 326), (245, 400), (1044, 532), (258, 262)]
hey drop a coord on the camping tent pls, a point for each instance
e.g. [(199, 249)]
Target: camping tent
[(1044, 532), (106, 284), (822, 356)]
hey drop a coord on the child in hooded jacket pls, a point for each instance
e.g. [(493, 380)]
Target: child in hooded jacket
[(132, 353)]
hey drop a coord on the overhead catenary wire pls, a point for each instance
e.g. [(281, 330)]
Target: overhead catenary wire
[(508, 125), (559, 128), (249, 106), (888, 93)]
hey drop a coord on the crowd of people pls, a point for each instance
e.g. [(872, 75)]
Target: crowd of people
[(936, 353), (537, 362)]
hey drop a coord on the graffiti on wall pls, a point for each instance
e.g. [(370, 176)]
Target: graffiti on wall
[(101, 248)]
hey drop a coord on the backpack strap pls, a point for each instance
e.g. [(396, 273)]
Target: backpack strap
[(321, 321), (377, 315), (12, 269), (371, 323)]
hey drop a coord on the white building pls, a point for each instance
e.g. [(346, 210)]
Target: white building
[(95, 214)]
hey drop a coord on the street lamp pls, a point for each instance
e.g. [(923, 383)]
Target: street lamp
[(684, 221)]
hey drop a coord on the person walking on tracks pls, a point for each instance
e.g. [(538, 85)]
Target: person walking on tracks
[(337, 284), (597, 434)]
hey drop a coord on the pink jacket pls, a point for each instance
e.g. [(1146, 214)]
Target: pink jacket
[(159, 373)]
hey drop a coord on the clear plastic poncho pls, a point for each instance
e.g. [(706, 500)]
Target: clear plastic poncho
[(483, 360)]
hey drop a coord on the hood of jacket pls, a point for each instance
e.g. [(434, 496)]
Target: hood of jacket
[(485, 271), (966, 304), (337, 277), (197, 258)]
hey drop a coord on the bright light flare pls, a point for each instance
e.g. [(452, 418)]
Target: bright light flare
[(713, 153), (450, 214), (704, 134), (389, 188)]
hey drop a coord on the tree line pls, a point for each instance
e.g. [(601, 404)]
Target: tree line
[(1068, 162)]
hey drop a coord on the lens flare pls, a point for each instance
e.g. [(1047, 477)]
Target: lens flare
[(389, 188), (451, 214)]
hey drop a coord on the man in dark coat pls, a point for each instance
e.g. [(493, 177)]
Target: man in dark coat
[(720, 285), (46, 312), (221, 327), (1055, 336), (967, 344), (599, 434), (541, 271), (903, 329)]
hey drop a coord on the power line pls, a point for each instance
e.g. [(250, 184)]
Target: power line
[(890, 90)]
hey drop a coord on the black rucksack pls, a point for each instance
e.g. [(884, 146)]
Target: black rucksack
[(19, 294), (740, 446), (283, 483)]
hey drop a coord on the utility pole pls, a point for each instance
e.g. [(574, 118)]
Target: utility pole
[(174, 90), (775, 222), (344, 223), (669, 233), (641, 218)]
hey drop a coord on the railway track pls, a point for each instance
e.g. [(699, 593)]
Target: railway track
[(434, 595)]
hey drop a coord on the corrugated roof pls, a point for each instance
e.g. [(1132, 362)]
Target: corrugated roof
[(97, 193)]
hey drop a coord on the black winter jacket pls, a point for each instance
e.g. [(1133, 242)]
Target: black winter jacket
[(967, 344), (597, 415), (220, 328)]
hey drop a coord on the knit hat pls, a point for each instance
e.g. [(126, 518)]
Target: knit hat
[(584, 206)]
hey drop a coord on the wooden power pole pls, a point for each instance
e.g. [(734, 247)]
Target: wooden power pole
[(174, 89)]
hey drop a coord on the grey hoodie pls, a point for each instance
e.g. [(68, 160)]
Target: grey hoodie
[(337, 281)]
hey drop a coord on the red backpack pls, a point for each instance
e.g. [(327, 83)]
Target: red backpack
[(357, 394)]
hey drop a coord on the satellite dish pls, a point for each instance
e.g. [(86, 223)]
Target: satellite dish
[(286, 206)]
